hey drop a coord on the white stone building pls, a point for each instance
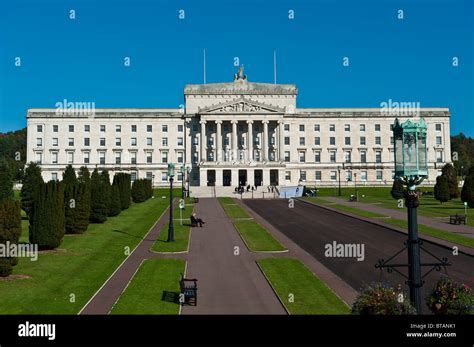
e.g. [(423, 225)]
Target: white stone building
[(231, 133)]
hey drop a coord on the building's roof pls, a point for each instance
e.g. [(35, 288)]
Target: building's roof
[(104, 112), (241, 86)]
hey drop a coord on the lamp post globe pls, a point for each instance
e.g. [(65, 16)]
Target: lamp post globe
[(170, 224)]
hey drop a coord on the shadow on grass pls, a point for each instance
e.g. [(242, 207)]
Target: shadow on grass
[(170, 296), (124, 232)]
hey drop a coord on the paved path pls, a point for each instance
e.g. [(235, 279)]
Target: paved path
[(436, 223), (227, 283), (313, 227)]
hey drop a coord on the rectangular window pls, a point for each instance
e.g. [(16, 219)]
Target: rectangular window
[(38, 157), (317, 141), (287, 140), (102, 128), (362, 127), (39, 128), (118, 128), (180, 141), (86, 157), (363, 156), (54, 157), (118, 157), (303, 175), (287, 127), (302, 141), (317, 175), (133, 176), (332, 127), (316, 127), (302, 156), (164, 128), (439, 156), (149, 175), (149, 157), (164, 176), (102, 141), (55, 141), (133, 141), (332, 141), (102, 158), (118, 141), (288, 175), (347, 156), (379, 175), (70, 157), (195, 157), (133, 157), (71, 128), (333, 175), (164, 157), (378, 156), (70, 141), (347, 127), (87, 141), (332, 156), (363, 175), (39, 142), (87, 128), (301, 127), (439, 140), (438, 127), (133, 128), (347, 141), (287, 156), (317, 157), (377, 127), (149, 141), (362, 140), (180, 157), (180, 128), (55, 128), (378, 140), (149, 128)]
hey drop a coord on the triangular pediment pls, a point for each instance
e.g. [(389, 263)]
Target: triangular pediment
[(241, 105)]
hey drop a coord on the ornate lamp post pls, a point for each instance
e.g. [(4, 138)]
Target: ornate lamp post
[(170, 224), (339, 174), (188, 170), (182, 170)]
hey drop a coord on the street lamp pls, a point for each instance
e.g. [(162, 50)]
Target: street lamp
[(188, 170), (411, 168), (355, 185), (182, 170), (339, 173), (170, 224)]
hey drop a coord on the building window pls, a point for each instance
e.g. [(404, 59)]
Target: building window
[(287, 140), (317, 157), (149, 157), (86, 157), (55, 128), (363, 175), (118, 128), (133, 157), (149, 175), (195, 141), (180, 157), (134, 128), (362, 140), (288, 175), (439, 156), (71, 128), (87, 128), (70, 157), (180, 128), (195, 157), (118, 157), (302, 155), (87, 141), (302, 141), (118, 141), (102, 141), (439, 140), (287, 156), (133, 176), (55, 141), (301, 127), (39, 142), (54, 176), (164, 176), (38, 157), (332, 141), (316, 127), (287, 127), (349, 176), (332, 156), (149, 141), (39, 128), (377, 127), (180, 141), (70, 141), (347, 141), (302, 175), (438, 127), (347, 127), (164, 128), (362, 127), (378, 141), (102, 128), (347, 156), (379, 175), (391, 140), (333, 175), (54, 157), (241, 127), (378, 156), (102, 158), (317, 176), (149, 128), (332, 127), (164, 157), (210, 156), (317, 141), (133, 141), (363, 156)]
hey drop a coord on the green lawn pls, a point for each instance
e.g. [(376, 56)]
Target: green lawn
[(82, 264), (299, 289), (255, 236), (182, 229), (154, 289)]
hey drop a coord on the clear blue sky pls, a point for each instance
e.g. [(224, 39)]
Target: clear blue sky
[(82, 59)]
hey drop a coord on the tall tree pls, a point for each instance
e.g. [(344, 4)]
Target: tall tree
[(70, 189), (123, 181), (10, 231), (47, 215), (115, 207), (98, 199), (105, 178), (32, 179), (467, 193), (451, 175), (441, 189), (6, 181)]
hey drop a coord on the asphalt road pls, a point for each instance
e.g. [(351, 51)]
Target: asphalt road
[(312, 228)]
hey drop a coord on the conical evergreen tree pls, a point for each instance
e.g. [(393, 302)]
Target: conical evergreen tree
[(6, 182), (10, 231), (467, 193), (98, 199), (105, 178), (115, 206), (452, 176), (441, 189), (32, 179), (70, 200)]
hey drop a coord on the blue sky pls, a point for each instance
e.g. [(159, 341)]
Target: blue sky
[(406, 60)]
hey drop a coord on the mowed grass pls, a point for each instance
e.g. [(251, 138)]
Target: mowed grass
[(300, 291), (182, 230), (154, 289), (62, 282), (349, 209), (255, 236)]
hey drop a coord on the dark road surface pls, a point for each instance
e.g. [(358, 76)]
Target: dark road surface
[(313, 227)]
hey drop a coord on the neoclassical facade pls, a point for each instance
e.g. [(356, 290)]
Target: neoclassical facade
[(232, 133)]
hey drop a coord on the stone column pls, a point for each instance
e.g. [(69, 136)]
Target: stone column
[(250, 140), (234, 143), (203, 141), (265, 140), (218, 142), (281, 141)]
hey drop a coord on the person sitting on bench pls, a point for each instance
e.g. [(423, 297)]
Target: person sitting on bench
[(195, 221)]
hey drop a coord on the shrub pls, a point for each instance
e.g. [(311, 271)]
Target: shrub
[(441, 189), (123, 181), (47, 215), (105, 179), (450, 298), (115, 206), (99, 206), (452, 176), (139, 190), (10, 231), (398, 190), (380, 299), (467, 192), (31, 181), (69, 181), (6, 181)]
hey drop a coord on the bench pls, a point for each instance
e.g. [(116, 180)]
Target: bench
[(457, 219), (188, 289)]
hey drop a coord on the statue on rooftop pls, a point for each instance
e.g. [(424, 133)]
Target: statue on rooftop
[(240, 74)]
